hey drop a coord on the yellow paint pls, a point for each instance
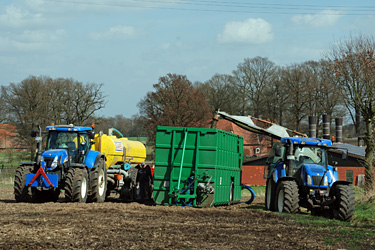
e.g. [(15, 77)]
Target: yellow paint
[(119, 150)]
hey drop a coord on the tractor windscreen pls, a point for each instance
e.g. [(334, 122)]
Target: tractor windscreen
[(76, 144), (310, 155)]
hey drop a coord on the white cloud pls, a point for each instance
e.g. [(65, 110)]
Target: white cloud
[(28, 41), (117, 32), (253, 31), (322, 19), (17, 18)]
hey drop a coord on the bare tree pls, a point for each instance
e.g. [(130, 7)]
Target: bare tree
[(26, 105), (275, 98), (297, 83), (221, 93), (175, 102), (37, 101), (251, 78), (354, 65)]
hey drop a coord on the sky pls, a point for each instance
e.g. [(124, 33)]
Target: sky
[(128, 45)]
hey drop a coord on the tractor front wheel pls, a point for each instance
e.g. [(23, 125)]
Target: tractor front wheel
[(76, 185), (287, 197), (98, 182), (343, 208), (22, 193), (270, 195)]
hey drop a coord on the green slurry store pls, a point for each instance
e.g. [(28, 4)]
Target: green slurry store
[(198, 167)]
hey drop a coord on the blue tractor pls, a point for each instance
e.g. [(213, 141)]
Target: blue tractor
[(298, 175), (67, 163)]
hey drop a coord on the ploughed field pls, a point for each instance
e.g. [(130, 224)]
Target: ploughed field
[(115, 225)]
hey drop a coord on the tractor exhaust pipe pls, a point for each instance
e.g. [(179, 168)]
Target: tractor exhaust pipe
[(339, 129), (312, 126), (290, 158), (326, 127)]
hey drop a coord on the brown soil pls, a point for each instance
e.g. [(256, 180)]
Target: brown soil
[(115, 225)]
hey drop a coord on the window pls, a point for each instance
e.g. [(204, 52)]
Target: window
[(349, 176)]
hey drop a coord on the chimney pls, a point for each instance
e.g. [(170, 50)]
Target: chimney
[(338, 122), (312, 126), (326, 127)]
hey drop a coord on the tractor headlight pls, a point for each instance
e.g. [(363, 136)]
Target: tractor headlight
[(55, 163), (325, 181), (309, 180)]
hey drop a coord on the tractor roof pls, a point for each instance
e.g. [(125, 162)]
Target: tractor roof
[(68, 128), (307, 141)]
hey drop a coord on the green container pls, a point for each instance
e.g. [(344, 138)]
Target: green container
[(198, 167)]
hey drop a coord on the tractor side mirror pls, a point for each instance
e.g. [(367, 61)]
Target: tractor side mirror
[(278, 152), (33, 133), (92, 134)]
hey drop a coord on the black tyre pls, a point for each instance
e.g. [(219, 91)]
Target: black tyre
[(343, 208), (270, 195), (76, 185), (133, 173), (98, 182), (231, 192), (21, 192), (287, 197)]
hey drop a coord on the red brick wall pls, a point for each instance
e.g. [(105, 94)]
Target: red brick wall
[(356, 172), (253, 175)]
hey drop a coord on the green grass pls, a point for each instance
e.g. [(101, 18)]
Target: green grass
[(8, 159), (354, 233), (258, 189)]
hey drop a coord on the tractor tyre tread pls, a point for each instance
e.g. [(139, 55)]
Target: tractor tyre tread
[(21, 192), (344, 207), (291, 196), (95, 180), (73, 185)]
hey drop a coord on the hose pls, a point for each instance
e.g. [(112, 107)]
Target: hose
[(243, 186)]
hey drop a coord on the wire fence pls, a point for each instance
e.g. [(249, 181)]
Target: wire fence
[(7, 174)]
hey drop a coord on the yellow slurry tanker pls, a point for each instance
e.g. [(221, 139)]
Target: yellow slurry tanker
[(121, 157)]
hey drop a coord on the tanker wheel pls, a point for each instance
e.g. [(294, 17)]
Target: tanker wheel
[(76, 185), (343, 208), (133, 173), (231, 192), (287, 197), (21, 192), (270, 195), (98, 182)]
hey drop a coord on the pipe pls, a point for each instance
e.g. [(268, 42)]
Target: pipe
[(112, 131), (326, 127), (290, 158), (243, 186), (117, 171), (312, 126), (338, 122), (215, 119)]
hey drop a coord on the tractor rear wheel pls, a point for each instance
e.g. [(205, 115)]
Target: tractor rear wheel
[(343, 208), (21, 192), (270, 195), (76, 185), (98, 182), (287, 197)]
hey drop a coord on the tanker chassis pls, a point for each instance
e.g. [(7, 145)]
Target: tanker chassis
[(87, 166)]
